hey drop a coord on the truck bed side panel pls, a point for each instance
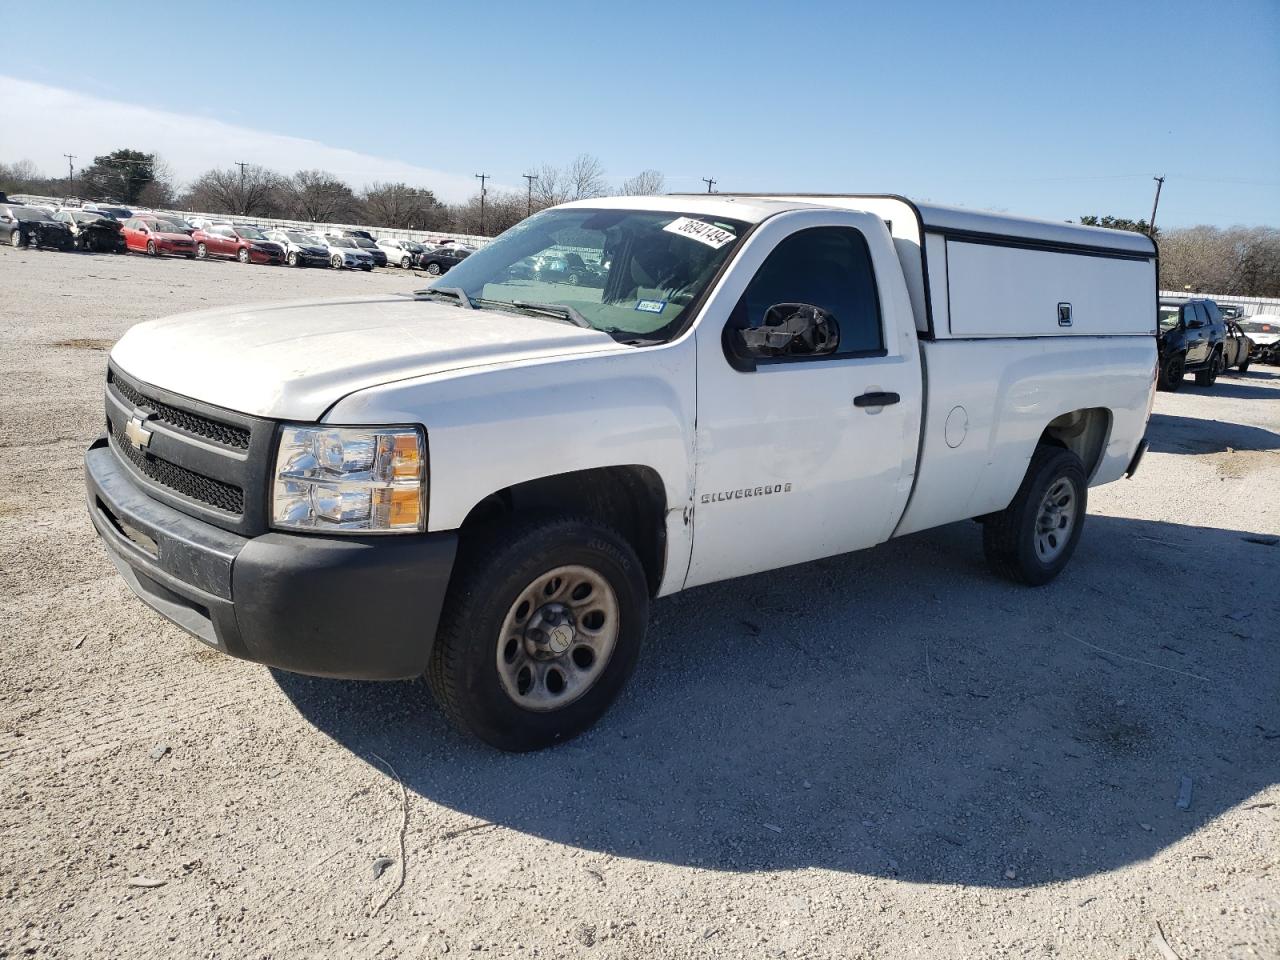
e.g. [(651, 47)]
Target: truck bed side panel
[(989, 401)]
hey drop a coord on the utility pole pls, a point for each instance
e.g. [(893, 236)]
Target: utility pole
[(71, 169), (709, 182), (1151, 230), (530, 177), (242, 165), (482, 177)]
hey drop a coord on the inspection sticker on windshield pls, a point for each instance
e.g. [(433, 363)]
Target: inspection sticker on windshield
[(713, 237), (651, 306)]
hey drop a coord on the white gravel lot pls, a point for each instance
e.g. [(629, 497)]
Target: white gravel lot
[(890, 754)]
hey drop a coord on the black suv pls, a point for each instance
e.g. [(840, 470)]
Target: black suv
[(1189, 339)]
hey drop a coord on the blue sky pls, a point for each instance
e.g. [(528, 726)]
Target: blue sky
[(1050, 110)]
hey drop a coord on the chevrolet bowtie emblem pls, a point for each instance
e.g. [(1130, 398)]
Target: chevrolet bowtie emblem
[(137, 433)]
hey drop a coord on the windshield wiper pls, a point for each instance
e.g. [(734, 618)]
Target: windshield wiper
[(556, 310), (456, 292)]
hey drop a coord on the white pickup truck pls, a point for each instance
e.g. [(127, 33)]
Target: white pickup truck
[(487, 481)]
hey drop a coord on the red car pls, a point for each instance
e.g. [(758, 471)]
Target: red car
[(156, 237), (246, 244)]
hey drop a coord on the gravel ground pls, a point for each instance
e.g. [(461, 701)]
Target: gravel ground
[(890, 754)]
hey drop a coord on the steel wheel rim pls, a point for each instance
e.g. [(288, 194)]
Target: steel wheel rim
[(557, 638), (1055, 522)]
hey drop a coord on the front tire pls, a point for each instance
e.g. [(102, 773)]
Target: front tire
[(292, 259), (1172, 372), (1033, 538), (202, 252), (542, 627), (15, 238), (243, 255), (404, 263), (151, 248)]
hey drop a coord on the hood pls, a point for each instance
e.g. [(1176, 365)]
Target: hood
[(295, 360)]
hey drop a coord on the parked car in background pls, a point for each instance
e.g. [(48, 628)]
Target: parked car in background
[(343, 252), (173, 221), (25, 226), (441, 259), (402, 253), (1237, 348), (244, 243), (157, 238), (570, 268), (372, 249), (93, 231), (354, 234), (118, 213), (1189, 339), (301, 249), (1263, 329)]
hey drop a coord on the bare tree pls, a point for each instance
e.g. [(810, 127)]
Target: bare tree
[(400, 205), (320, 196), (501, 211), (582, 179), (1238, 260), (247, 191), (646, 183)]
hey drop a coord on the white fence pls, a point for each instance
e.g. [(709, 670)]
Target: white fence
[(428, 237), (1250, 305)]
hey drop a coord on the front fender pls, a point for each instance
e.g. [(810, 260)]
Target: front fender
[(489, 428)]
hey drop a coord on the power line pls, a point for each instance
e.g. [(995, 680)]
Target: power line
[(709, 182)]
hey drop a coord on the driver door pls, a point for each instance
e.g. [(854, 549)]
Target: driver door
[(1197, 323), (801, 455)]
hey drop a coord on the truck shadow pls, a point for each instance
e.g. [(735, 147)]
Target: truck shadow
[(898, 712), (1172, 434)]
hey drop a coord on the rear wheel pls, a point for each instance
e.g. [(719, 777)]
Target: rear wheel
[(1209, 375), (1244, 364), (1172, 372), (433, 269), (1031, 540), (542, 627)]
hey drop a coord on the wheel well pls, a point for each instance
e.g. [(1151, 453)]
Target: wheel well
[(629, 499), (1083, 432)]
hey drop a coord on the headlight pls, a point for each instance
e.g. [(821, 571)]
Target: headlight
[(350, 480)]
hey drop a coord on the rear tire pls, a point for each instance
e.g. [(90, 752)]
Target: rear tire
[(1244, 365), (1033, 538), (433, 269), (503, 690)]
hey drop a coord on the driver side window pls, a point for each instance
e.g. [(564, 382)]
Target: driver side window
[(824, 267)]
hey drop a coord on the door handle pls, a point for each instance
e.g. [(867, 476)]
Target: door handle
[(879, 398)]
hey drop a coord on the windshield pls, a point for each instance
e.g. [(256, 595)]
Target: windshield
[(340, 242), (250, 233), (298, 237), (28, 213), (367, 244), (166, 226), (1168, 318), (628, 272), (1259, 324)]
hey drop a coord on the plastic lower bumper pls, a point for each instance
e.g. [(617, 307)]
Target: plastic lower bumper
[(1137, 457), (356, 607)]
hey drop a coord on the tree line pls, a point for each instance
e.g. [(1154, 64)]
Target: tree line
[(135, 178), (1232, 261)]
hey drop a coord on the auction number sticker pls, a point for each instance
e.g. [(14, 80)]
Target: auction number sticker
[(698, 230), (651, 306)]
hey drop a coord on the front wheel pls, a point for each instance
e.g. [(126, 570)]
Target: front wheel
[(1244, 365), (243, 255), (404, 263), (336, 262), (15, 238), (202, 252), (1171, 372), (1031, 540), (151, 248), (541, 629), (292, 259)]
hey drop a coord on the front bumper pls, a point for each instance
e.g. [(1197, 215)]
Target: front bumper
[(355, 607), (265, 256)]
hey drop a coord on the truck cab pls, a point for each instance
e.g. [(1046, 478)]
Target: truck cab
[(489, 479)]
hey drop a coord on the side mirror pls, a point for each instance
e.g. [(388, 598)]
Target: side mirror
[(1194, 324), (789, 330)]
